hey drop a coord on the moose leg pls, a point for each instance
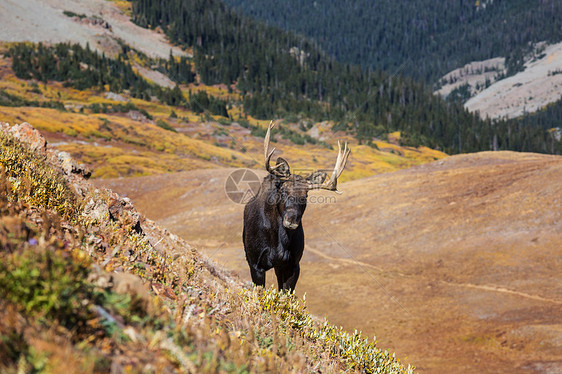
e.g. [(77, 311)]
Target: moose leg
[(290, 277), (258, 276), (280, 273)]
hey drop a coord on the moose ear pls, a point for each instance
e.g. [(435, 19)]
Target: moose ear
[(282, 166), (317, 178)]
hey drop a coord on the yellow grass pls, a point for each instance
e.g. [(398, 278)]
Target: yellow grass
[(219, 91), (115, 145), (125, 6), (127, 137)]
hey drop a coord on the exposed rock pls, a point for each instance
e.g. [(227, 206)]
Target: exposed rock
[(28, 135), (123, 284), (114, 96), (94, 21), (115, 208), (85, 171), (96, 209), (100, 278), (314, 132), (69, 166), (137, 116), (121, 209), (129, 284)]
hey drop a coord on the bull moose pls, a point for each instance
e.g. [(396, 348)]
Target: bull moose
[(273, 236)]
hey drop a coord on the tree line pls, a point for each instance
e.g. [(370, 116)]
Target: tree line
[(83, 68), (423, 39)]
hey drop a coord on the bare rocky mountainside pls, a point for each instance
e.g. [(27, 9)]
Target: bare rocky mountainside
[(532, 89), (97, 22), (453, 264)]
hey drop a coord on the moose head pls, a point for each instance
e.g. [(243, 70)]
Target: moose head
[(292, 189), (273, 235)]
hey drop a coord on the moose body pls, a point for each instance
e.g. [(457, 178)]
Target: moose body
[(273, 235), (268, 243)]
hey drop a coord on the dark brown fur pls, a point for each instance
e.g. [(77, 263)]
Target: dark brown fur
[(273, 235)]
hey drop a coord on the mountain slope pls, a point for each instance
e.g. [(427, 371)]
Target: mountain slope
[(127, 132), (45, 21), (422, 39), (280, 74), (462, 254), (481, 85), (527, 91), (264, 73), (426, 39)]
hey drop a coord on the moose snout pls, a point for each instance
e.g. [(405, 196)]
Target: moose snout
[(289, 225), (291, 220)]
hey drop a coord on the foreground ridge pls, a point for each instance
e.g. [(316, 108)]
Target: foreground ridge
[(87, 284)]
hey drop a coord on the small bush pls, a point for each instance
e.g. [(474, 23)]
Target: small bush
[(71, 14), (45, 282), (165, 125)]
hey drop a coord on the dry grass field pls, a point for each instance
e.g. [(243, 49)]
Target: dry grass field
[(455, 264)]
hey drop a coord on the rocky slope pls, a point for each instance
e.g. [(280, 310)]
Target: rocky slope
[(97, 22), (525, 92)]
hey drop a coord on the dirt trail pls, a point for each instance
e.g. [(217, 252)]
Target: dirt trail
[(455, 265), (348, 261), (491, 288), (503, 290)]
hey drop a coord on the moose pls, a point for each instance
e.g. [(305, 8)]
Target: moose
[(273, 235)]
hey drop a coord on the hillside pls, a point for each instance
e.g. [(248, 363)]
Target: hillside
[(500, 58), (454, 264), (137, 125), (527, 91), (422, 39), (87, 284), (46, 21), (129, 132)]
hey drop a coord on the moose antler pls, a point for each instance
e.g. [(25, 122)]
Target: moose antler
[(267, 153), (332, 183)]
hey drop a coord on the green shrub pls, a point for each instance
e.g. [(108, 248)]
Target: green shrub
[(47, 283), (165, 125)]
